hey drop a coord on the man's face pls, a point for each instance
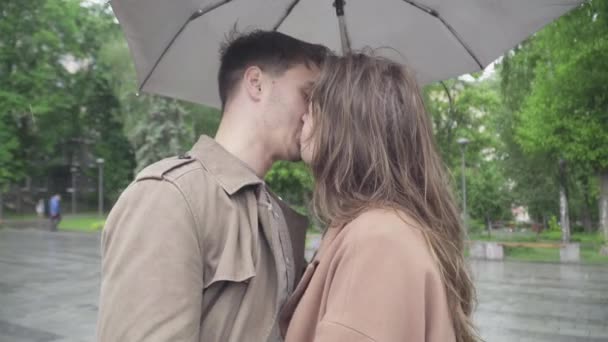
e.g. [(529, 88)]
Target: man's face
[(306, 143), (287, 104)]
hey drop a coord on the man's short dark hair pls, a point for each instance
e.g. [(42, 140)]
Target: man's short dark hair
[(271, 51)]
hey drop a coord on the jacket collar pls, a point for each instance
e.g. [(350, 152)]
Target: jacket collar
[(230, 172)]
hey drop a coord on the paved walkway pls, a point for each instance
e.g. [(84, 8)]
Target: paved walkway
[(541, 302), (49, 288)]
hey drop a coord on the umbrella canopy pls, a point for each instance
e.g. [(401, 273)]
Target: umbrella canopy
[(175, 43)]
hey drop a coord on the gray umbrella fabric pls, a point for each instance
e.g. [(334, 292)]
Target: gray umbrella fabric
[(175, 43)]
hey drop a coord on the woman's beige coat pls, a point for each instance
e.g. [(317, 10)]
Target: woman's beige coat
[(372, 280)]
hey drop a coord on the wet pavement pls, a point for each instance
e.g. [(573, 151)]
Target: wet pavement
[(49, 285)]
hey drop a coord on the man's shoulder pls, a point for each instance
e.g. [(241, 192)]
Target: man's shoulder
[(171, 169), (183, 171)]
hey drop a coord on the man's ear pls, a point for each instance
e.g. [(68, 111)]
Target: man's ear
[(253, 82)]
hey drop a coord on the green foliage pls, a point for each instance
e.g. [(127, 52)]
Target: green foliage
[(551, 235), (475, 229), (565, 112), (554, 225), (463, 109), (54, 96), (111, 144), (488, 193), (554, 88), (594, 239), (292, 181), (164, 133), (460, 109), (11, 169)]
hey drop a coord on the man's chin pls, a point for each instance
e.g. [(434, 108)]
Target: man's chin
[(291, 156), (296, 157)]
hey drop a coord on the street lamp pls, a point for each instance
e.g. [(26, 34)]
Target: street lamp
[(74, 172), (463, 142), (100, 162)]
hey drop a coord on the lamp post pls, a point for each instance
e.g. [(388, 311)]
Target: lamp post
[(74, 172), (463, 142), (100, 163)]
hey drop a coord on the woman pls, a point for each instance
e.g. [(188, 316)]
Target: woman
[(390, 266)]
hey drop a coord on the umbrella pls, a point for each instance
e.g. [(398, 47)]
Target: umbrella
[(175, 43)]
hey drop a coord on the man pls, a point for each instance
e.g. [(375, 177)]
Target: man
[(55, 211), (197, 248)]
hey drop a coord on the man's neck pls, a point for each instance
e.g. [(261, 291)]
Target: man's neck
[(243, 141)]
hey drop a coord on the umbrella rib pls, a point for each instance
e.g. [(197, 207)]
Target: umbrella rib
[(287, 13), (436, 14), (344, 37), (200, 12)]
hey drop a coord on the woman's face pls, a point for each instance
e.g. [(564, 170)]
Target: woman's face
[(306, 143)]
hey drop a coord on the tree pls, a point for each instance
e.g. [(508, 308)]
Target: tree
[(565, 113), (534, 183), (104, 125), (489, 194), (156, 127), (10, 166), (54, 104), (165, 133), (459, 109), (468, 109)]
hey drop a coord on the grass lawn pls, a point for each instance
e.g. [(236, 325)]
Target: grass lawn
[(532, 254), (590, 245), (13, 217), (592, 256), (82, 223)]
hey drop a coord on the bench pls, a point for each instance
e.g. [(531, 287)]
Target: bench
[(491, 250)]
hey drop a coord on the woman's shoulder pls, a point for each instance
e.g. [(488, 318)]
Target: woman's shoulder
[(382, 223), (387, 232)]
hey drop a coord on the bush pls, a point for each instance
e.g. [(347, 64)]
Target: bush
[(476, 226), (578, 229), (554, 225), (523, 225), (551, 235), (292, 181)]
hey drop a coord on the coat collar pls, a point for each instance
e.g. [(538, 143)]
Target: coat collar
[(231, 173)]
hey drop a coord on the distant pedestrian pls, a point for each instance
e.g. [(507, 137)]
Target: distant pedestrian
[(40, 208), (55, 211)]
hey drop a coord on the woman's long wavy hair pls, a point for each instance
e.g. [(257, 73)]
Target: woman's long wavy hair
[(373, 146)]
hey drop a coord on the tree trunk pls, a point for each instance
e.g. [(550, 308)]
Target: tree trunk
[(564, 219), (585, 211), (489, 222), (563, 203), (604, 206), (19, 199)]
